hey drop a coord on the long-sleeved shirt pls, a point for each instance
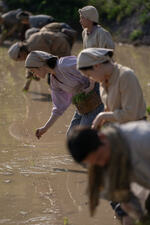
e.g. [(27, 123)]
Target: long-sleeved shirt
[(98, 38), (10, 19), (137, 135), (10, 24), (123, 95), (39, 21), (66, 83), (54, 43)]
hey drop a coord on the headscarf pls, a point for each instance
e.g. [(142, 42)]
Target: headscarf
[(92, 56), (14, 51), (37, 59), (89, 12)]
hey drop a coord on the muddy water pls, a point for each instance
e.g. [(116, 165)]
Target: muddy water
[(32, 191)]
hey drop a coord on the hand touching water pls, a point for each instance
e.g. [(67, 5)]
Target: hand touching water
[(40, 131)]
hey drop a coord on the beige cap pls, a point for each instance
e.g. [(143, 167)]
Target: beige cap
[(91, 56), (14, 50), (89, 12), (36, 59)]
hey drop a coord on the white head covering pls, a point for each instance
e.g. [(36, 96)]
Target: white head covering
[(37, 59), (91, 56), (89, 12), (14, 50)]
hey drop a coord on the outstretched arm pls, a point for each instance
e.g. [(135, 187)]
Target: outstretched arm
[(61, 100)]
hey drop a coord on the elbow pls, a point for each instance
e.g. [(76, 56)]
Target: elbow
[(124, 116)]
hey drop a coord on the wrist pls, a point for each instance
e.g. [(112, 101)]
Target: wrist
[(109, 116), (46, 127)]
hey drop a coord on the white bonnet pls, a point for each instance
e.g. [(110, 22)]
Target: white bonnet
[(91, 56), (14, 50), (89, 12), (37, 59)]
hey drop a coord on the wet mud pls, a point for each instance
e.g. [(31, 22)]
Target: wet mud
[(35, 185)]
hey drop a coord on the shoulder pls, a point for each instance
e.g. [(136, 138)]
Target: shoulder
[(124, 70), (99, 28), (134, 127), (41, 16), (48, 34), (34, 38), (126, 74), (67, 61), (35, 35)]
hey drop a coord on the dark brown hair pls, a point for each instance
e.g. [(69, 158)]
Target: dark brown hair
[(82, 141)]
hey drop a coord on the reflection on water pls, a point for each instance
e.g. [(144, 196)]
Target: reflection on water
[(31, 192), (25, 190), (36, 96)]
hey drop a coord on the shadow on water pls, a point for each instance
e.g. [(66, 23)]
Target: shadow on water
[(44, 97)]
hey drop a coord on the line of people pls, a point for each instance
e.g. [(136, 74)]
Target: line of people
[(15, 23), (112, 93), (55, 38)]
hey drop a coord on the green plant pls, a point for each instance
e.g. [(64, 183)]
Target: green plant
[(144, 17), (135, 34), (148, 110), (80, 97), (66, 221)]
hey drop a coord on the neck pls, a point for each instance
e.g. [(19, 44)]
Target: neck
[(90, 28), (108, 71), (51, 71)]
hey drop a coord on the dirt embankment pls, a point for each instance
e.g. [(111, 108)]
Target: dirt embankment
[(131, 30)]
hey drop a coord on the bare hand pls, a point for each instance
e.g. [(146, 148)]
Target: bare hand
[(102, 118), (98, 121), (39, 132)]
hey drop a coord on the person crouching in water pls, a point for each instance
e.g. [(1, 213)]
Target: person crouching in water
[(120, 89), (118, 162), (52, 42), (120, 92), (67, 83)]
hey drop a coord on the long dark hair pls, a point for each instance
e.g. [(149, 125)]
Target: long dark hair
[(82, 141)]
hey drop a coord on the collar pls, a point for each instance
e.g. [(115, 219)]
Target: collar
[(93, 30), (114, 74)]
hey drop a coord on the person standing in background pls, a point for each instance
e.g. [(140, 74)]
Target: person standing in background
[(93, 35)]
